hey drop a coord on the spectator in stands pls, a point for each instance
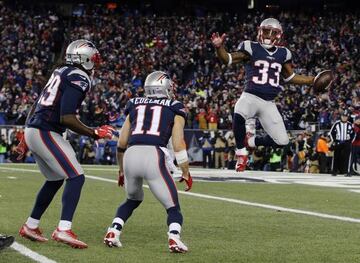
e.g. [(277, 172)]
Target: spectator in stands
[(201, 118), (212, 120)]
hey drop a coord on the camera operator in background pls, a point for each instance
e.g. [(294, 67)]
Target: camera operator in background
[(219, 148), (322, 149), (207, 148)]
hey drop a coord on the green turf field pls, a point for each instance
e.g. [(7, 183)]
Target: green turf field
[(214, 230)]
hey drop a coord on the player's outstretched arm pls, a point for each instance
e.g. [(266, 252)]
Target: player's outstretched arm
[(180, 150), (223, 55), (289, 76), (121, 148)]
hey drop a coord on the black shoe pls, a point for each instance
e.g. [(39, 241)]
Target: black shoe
[(6, 241), (348, 175), (333, 174)]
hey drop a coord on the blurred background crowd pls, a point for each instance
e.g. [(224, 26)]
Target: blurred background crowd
[(135, 41)]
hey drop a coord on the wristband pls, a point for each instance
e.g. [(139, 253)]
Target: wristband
[(120, 150), (181, 157)]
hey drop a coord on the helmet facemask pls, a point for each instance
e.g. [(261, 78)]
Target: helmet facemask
[(269, 36)]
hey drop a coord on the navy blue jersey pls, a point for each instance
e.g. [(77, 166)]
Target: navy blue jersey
[(63, 94), (152, 120), (262, 71)]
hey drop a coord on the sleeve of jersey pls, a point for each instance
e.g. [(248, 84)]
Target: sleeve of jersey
[(70, 100), (245, 47), (288, 57), (78, 81), (179, 109), (128, 107)]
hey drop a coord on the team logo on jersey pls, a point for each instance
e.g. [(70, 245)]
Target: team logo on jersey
[(82, 84)]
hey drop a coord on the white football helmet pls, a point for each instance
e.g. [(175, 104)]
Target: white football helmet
[(84, 53), (159, 85), (270, 32)]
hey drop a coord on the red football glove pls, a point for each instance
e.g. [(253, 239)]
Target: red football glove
[(188, 182), (21, 148), (105, 131), (217, 40), (121, 179)]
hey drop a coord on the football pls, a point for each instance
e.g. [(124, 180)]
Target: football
[(323, 81)]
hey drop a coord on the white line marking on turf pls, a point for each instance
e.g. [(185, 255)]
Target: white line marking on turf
[(230, 200), (31, 254)]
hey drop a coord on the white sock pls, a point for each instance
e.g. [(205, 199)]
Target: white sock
[(251, 141), (175, 227), (64, 225), (118, 220), (241, 151), (32, 223)]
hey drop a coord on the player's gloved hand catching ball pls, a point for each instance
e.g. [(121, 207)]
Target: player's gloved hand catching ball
[(188, 180), (21, 148), (104, 132), (218, 40), (121, 179)]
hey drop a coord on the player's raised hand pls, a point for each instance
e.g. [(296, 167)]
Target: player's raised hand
[(105, 131), (121, 179), (188, 180), (218, 40), (21, 148)]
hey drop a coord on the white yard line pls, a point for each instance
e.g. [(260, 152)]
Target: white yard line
[(229, 200), (31, 254)]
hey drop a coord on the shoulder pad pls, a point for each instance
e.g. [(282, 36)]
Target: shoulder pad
[(178, 108), (129, 106), (245, 46)]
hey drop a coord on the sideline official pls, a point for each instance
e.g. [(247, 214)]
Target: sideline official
[(342, 134)]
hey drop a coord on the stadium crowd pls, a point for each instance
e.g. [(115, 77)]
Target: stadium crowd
[(132, 44)]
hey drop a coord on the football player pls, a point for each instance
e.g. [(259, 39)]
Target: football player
[(266, 61), (54, 112), (148, 126)]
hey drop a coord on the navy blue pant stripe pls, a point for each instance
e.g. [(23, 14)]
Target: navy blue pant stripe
[(58, 154), (167, 177)]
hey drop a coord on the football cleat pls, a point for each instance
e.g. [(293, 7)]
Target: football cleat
[(34, 234), (241, 163), (176, 245), (68, 237), (112, 238)]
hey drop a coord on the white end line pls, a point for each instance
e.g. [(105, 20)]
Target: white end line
[(31, 254)]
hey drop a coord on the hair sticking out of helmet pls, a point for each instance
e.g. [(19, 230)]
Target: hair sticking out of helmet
[(158, 85), (84, 53), (270, 33)]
